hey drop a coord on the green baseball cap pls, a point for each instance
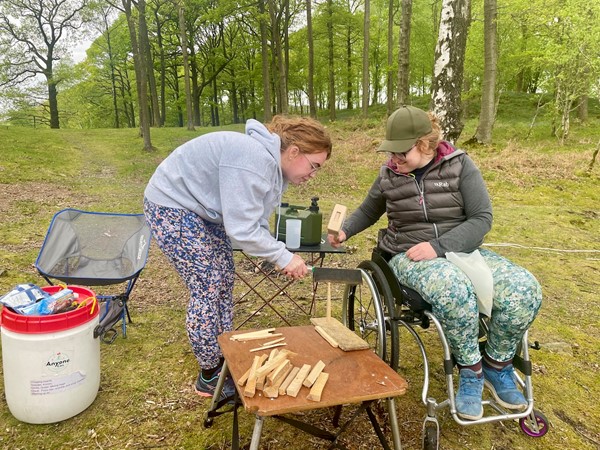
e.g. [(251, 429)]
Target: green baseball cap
[(404, 127)]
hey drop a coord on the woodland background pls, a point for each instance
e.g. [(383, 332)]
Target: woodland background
[(188, 63)]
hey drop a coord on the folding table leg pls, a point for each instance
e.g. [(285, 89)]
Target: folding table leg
[(219, 387), (391, 404), (258, 424)]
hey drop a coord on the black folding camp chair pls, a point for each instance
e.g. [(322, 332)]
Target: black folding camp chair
[(97, 249)]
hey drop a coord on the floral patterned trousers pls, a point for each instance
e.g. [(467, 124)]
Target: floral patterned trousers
[(516, 301), (201, 253)]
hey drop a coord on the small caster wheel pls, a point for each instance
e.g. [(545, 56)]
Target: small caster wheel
[(208, 422), (534, 425), (430, 438)]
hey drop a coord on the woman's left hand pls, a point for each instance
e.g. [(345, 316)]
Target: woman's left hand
[(421, 252)]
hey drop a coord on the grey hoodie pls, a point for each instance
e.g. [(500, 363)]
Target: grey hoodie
[(230, 178)]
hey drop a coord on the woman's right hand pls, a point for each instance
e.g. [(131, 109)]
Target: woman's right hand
[(336, 240), (296, 269)]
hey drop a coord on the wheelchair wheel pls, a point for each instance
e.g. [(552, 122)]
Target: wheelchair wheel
[(367, 312), (534, 425)]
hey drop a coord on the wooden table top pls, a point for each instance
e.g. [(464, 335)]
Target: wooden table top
[(354, 376)]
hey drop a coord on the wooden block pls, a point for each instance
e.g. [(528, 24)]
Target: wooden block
[(314, 373), (250, 388), (272, 391), (267, 332), (266, 347), (272, 364), (274, 341), (260, 382), (338, 215), (325, 336), (347, 339), (296, 383), (317, 389), (290, 377), (244, 377), (257, 337), (280, 372)]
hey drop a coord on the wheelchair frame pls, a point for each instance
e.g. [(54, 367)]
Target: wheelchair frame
[(390, 306)]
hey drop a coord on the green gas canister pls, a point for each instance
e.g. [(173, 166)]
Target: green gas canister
[(311, 218)]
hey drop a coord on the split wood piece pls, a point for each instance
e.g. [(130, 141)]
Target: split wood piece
[(275, 341), (290, 377), (250, 334), (270, 365), (279, 373), (346, 339), (265, 347), (272, 391), (317, 389), (253, 337), (325, 336), (296, 383), (250, 388), (314, 373), (244, 378), (260, 381), (338, 215)]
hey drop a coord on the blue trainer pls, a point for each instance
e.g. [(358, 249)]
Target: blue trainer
[(206, 388), (468, 397), (501, 384)]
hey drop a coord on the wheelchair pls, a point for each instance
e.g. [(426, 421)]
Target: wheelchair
[(381, 306)]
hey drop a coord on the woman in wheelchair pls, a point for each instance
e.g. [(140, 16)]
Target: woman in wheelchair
[(436, 202)]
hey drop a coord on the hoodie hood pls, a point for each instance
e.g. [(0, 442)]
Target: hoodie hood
[(270, 141)]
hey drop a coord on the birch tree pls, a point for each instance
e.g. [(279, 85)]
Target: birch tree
[(449, 66), (404, 53)]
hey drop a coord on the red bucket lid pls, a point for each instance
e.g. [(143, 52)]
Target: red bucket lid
[(53, 322)]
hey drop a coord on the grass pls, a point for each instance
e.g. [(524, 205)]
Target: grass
[(545, 203)]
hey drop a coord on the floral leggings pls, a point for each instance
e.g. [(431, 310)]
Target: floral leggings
[(516, 301), (201, 253)]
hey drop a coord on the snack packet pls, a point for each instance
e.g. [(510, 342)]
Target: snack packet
[(23, 295)]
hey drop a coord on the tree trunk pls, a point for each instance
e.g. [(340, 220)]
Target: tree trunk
[(487, 114), (449, 66), (146, 58), (404, 53), (265, 63), (365, 58), (53, 103), (390, 58), (140, 74), (163, 68), (582, 108), (349, 82), (311, 61), (186, 70), (113, 76), (195, 88), (331, 90)]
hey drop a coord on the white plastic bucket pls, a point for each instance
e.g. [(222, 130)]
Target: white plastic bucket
[(51, 363)]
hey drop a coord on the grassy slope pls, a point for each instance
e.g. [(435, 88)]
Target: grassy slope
[(542, 198)]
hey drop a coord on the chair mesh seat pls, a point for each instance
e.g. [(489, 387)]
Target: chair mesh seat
[(92, 248)]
